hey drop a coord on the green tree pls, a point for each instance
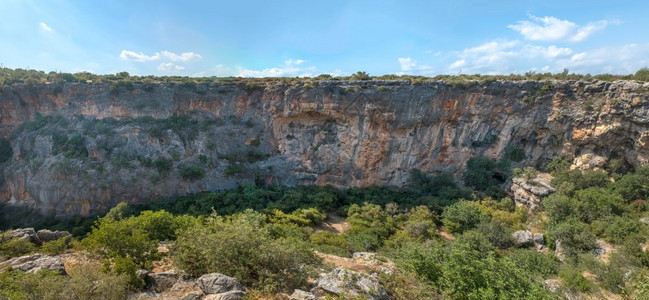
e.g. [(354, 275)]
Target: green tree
[(463, 216)]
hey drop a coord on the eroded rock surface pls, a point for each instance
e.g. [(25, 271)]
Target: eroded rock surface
[(94, 145)]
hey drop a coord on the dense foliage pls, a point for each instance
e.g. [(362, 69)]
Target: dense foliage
[(446, 242)]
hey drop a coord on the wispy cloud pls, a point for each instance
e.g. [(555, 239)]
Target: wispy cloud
[(552, 29), (503, 56), (291, 67), (141, 57), (46, 27), (411, 66), (170, 67)]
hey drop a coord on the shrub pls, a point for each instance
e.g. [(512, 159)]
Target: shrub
[(329, 242), (56, 247), (421, 223), (463, 216), (534, 262), (163, 165), (360, 75), (192, 173), (616, 229), (496, 233), (15, 247), (574, 280), (484, 174), (574, 235), (242, 246)]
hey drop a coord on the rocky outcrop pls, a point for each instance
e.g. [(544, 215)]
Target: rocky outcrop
[(216, 283), (347, 283), (35, 263), (37, 237), (92, 146), (530, 192)]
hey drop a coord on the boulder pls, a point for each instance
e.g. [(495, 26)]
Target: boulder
[(142, 273), (539, 238), (523, 238), (302, 295), (195, 295), (348, 283), (45, 235), (24, 233), (231, 295), (530, 192), (162, 281), (645, 220), (216, 283), (34, 263)]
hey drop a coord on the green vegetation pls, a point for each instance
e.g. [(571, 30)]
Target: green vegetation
[(192, 172), (446, 242)]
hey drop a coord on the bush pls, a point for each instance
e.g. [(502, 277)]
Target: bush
[(574, 235), (360, 75), (463, 216), (163, 165), (15, 247), (574, 280), (242, 246), (496, 233), (83, 282), (329, 242), (616, 229), (485, 174), (192, 173), (421, 223), (534, 262), (56, 247)]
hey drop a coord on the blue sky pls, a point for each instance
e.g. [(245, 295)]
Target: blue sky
[(307, 38)]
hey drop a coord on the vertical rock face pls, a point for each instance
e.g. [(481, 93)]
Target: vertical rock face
[(88, 147)]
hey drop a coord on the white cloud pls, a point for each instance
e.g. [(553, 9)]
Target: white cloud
[(185, 56), (554, 29), (170, 67), (295, 61), (141, 57), (503, 56), (410, 66), (290, 68), (46, 27), (624, 59), (457, 64)]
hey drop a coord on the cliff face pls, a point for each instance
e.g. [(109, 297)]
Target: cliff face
[(80, 148)]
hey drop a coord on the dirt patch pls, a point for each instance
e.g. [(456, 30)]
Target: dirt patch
[(333, 223)]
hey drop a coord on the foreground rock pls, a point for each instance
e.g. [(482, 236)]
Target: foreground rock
[(301, 295), (162, 281), (215, 283), (37, 237), (348, 283), (529, 193), (35, 263)]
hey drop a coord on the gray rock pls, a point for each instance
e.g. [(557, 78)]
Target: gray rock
[(195, 295), (215, 283), (552, 285), (530, 192), (163, 281), (24, 233), (35, 263), (645, 220), (142, 273), (301, 295), (523, 238), (560, 251), (539, 238), (45, 235), (345, 282), (231, 295)]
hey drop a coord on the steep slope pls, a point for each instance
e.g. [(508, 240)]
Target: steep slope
[(80, 148)]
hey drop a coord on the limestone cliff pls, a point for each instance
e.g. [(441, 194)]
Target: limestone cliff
[(79, 148)]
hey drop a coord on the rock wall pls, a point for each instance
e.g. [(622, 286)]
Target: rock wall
[(343, 133)]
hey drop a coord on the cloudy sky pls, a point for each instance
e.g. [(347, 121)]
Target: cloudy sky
[(307, 38)]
